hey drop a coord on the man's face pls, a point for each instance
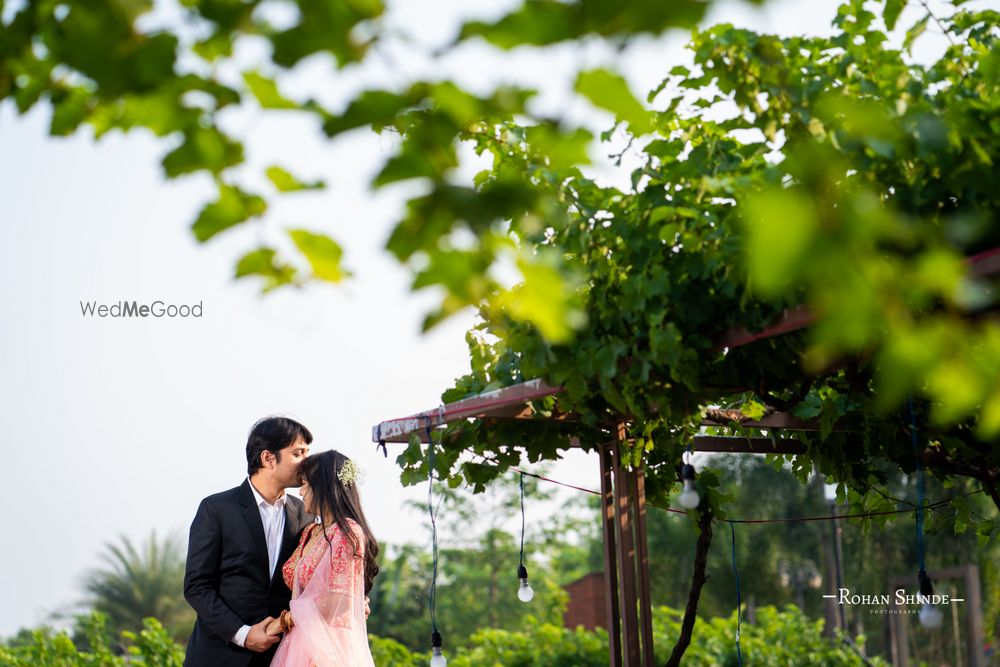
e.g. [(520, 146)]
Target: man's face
[(286, 468)]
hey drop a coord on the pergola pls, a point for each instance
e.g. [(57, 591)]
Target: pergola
[(623, 497)]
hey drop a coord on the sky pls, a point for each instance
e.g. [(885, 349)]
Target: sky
[(117, 427)]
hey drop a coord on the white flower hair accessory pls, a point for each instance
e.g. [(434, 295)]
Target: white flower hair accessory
[(351, 473)]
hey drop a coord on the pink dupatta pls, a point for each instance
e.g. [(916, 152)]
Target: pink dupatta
[(329, 612)]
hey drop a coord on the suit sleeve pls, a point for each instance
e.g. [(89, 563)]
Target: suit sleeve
[(201, 574)]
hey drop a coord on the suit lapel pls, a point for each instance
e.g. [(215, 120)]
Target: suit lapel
[(289, 536), (286, 544), (251, 513)]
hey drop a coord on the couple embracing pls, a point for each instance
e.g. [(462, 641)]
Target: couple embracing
[(276, 580)]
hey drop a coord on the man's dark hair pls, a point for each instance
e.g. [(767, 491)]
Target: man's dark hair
[(273, 434)]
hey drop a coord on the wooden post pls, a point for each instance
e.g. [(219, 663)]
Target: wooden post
[(899, 641), (973, 616), (607, 454), (642, 565), (972, 603), (626, 559)]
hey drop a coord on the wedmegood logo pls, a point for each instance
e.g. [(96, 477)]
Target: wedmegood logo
[(135, 309)]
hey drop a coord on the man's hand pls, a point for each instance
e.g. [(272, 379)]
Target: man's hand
[(368, 610), (258, 640)]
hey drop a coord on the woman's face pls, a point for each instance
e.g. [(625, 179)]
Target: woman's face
[(305, 492)]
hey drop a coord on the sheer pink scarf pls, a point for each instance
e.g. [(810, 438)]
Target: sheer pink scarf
[(329, 613)]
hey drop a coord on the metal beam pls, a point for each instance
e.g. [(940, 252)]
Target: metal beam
[(738, 445)]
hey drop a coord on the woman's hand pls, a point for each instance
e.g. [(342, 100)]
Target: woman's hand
[(273, 628)]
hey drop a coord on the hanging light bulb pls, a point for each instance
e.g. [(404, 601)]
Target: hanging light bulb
[(437, 657), (689, 498), (930, 616), (525, 592)]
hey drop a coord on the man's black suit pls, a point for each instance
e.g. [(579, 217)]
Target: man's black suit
[(227, 580)]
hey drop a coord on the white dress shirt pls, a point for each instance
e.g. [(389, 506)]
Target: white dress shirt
[(273, 518)]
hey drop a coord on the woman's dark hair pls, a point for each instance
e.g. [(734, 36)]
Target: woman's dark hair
[(272, 434), (332, 499)]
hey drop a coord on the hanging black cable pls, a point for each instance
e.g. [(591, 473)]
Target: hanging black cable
[(524, 591), (437, 656), (522, 519)]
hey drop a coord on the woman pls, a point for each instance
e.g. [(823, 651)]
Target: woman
[(329, 573)]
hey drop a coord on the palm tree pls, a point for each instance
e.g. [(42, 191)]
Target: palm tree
[(134, 585)]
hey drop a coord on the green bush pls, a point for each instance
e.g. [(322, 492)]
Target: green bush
[(390, 652), (152, 647), (779, 638), (537, 644)]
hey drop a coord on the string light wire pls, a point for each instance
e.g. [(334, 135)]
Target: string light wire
[(739, 601), (521, 562), (431, 510)]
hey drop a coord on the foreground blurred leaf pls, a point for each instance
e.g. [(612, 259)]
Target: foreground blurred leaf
[(263, 262), (609, 91), (323, 253), (231, 208), (286, 182), (781, 226)]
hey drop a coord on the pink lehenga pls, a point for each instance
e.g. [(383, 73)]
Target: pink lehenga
[(328, 603)]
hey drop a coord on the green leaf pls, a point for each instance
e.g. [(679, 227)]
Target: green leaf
[(542, 22), (892, 11), (562, 149), (753, 409), (203, 148), (262, 262), (266, 91), (608, 90), (286, 182), (809, 408), (536, 22), (218, 45), (781, 226), (325, 26), (427, 151), (69, 111), (463, 273), (323, 253), (376, 108), (546, 299), (915, 32), (231, 208)]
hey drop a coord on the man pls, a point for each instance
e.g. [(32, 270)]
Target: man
[(239, 540)]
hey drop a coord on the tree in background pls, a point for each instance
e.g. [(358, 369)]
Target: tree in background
[(479, 545), (139, 583), (783, 563)]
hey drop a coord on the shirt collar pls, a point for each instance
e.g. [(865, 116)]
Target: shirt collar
[(261, 500)]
